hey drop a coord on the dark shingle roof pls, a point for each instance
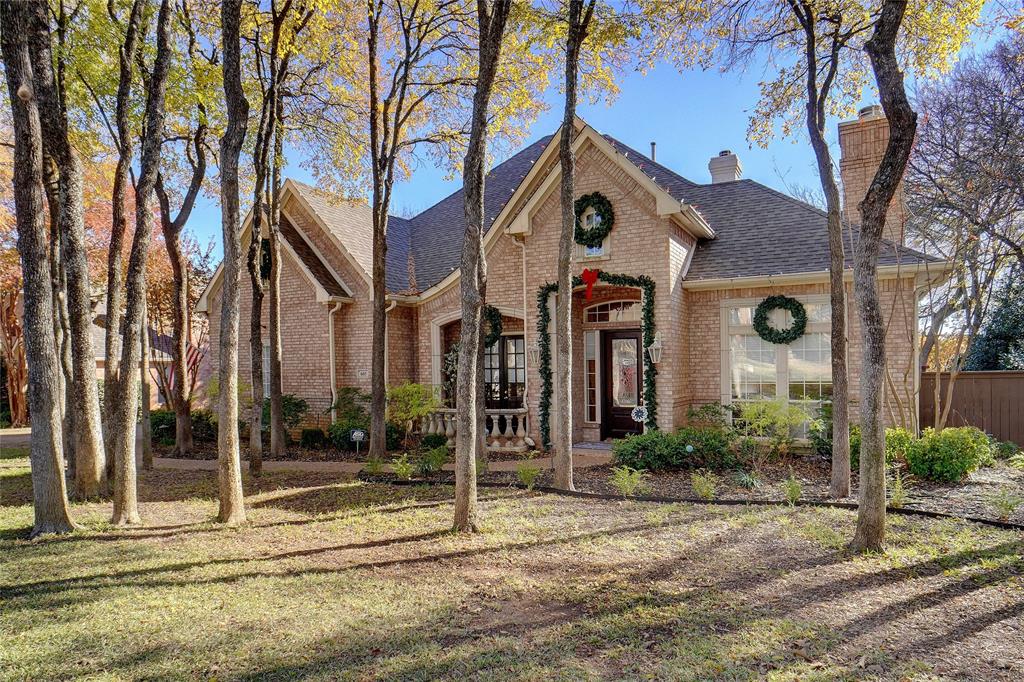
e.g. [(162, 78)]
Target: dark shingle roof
[(758, 231), (310, 259), (437, 232)]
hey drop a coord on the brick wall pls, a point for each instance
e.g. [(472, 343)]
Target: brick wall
[(862, 143)]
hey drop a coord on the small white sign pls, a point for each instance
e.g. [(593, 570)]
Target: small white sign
[(357, 435), (362, 374)]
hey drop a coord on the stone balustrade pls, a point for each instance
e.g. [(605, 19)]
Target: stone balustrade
[(507, 429)]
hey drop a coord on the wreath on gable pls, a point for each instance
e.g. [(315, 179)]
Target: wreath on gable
[(494, 327), (594, 236), (780, 336)]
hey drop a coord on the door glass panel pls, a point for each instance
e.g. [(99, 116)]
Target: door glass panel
[(624, 373)]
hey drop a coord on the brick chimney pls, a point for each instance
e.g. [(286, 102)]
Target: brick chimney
[(862, 143), (725, 167)]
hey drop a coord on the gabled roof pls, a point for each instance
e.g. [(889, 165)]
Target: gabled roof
[(308, 257), (759, 231)]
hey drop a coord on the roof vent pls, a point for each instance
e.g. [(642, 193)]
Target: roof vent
[(725, 167)]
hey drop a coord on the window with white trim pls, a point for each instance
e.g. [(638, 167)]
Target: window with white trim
[(592, 376), (590, 219), (613, 311), (754, 369)]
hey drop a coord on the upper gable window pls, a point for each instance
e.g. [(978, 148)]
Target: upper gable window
[(614, 311), (591, 219)]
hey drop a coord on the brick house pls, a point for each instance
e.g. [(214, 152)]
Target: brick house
[(712, 251)]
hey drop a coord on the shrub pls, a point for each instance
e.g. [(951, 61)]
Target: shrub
[(204, 426), (747, 480), (628, 481), (312, 438), (792, 489), (653, 450), (434, 440), (1005, 502), (433, 460), (409, 402), (374, 466), (163, 425), (774, 420), (948, 455), (689, 447), (339, 434), (704, 484), (528, 474), (1017, 461), (293, 411), (1004, 450), (709, 414), (351, 404), (402, 467), (897, 443), (711, 447)]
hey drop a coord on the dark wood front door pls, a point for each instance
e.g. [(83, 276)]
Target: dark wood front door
[(623, 366)]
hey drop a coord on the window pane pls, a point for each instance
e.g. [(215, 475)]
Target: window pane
[(741, 316), (752, 367), (590, 356), (810, 367), (624, 373)]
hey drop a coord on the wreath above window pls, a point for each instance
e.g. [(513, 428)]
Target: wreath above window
[(780, 336), (593, 236), (492, 316)]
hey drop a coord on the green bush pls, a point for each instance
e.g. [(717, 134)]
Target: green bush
[(204, 426), (773, 420), (312, 438), (293, 408), (402, 467), (340, 431), (434, 440), (433, 460), (628, 481), (351, 404), (528, 474), (162, 425), (948, 455), (704, 484), (1004, 450), (898, 442), (819, 433), (693, 447), (409, 402)]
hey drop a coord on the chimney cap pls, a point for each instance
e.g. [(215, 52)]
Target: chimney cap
[(725, 152), (725, 167), (871, 111)]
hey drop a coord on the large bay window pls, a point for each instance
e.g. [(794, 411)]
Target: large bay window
[(753, 369)]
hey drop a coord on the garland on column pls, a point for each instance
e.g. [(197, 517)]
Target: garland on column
[(646, 285), (492, 316)]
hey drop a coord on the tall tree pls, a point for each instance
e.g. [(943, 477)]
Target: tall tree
[(229, 469), (121, 430), (89, 455), (579, 22), (881, 48), (50, 502), (491, 20), (128, 52)]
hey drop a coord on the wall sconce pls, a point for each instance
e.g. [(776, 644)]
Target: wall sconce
[(534, 354), (654, 350)]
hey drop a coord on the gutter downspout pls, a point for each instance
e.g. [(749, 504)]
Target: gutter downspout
[(521, 243), (390, 306), (334, 361)]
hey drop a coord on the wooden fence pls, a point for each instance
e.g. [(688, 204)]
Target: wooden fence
[(991, 401)]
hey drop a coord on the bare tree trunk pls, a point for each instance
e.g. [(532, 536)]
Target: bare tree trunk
[(256, 347), (87, 453), (473, 271), (119, 219), (881, 48), (278, 435), (579, 21), (229, 470), (122, 431), (50, 501), (145, 427), (51, 187)]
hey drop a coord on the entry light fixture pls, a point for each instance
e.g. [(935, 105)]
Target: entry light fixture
[(654, 350)]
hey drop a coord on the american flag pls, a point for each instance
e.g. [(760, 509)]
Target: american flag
[(165, 344)]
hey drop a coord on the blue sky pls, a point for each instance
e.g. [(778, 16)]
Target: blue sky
[(691, 115)]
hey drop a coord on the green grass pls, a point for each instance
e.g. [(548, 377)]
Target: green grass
[(9, 452), (336, 579)]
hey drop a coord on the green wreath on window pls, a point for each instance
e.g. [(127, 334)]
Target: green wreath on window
[(492, 316), (780, 336), (594, 236)]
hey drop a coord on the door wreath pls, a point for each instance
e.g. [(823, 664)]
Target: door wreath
[(769, 333), (492, 316)]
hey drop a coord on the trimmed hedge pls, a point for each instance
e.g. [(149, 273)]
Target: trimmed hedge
[(340, 431), (313, 438), (689, 447), (949, 455)]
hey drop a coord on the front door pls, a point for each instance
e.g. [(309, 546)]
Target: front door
[(622, 375)]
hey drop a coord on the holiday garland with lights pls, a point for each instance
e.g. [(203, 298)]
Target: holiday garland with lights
[(594, 236), (769, 333), (646, 284)]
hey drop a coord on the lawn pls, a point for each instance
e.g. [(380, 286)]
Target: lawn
[(335, 579)]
